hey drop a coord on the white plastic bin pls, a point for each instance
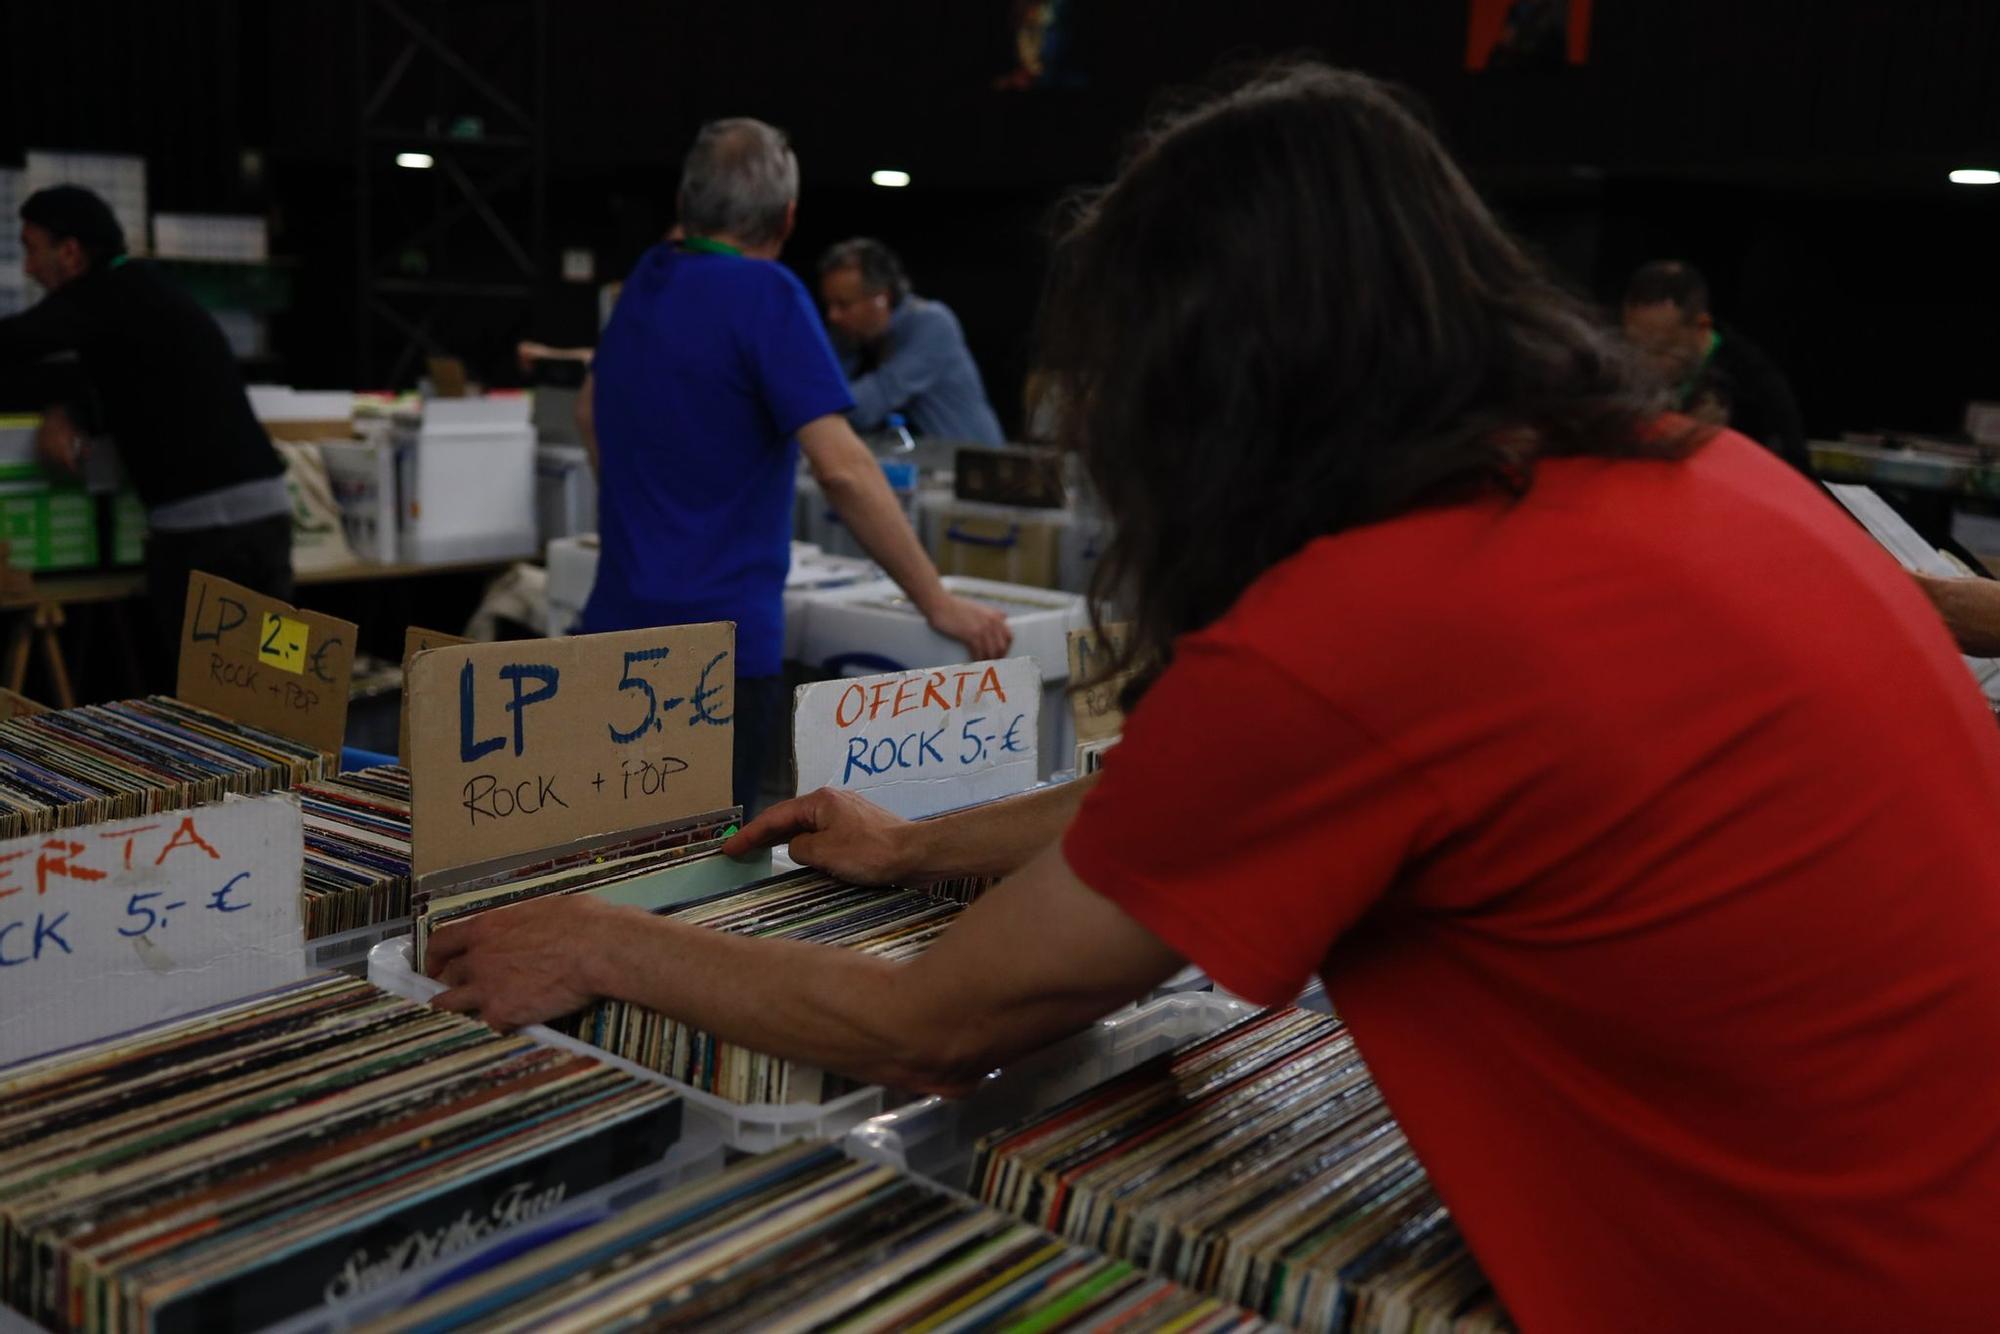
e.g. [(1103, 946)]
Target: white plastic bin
[(935, 1137), (872, 628), (749, 1127), (565, 491), (572, 565)]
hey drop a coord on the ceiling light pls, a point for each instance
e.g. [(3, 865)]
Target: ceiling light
[(891, 179), (1975, 176), (417, 161)]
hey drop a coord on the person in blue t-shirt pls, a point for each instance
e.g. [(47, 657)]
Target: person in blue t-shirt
[(711, 376), (902, 353)]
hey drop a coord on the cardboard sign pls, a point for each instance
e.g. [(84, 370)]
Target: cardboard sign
[(415, 640), (1096, 708), (13, 705), (119, 924), (521, 746), (265, 662), (923, 741)]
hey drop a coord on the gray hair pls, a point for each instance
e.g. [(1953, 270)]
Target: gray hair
[(738, 180), (881, 270)]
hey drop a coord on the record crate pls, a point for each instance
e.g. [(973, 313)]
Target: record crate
[(746, 1127), (934, 1137)]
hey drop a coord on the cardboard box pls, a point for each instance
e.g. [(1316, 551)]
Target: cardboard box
[(47, 526)]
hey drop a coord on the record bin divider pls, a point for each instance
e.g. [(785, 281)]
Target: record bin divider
[(699, 1154), (746, 1127), (934, 1137)]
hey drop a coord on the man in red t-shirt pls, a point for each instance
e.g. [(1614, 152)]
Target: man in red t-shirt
[(1678, 963)]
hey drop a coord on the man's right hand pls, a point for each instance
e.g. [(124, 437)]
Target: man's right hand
[(983, 630), (838, 832)]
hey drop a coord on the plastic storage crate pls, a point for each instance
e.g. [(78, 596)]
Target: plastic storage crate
[(749, 1127), (48, 527), (935, 1137)]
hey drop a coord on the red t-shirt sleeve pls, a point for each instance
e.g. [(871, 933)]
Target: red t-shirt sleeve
[(1245, 821)]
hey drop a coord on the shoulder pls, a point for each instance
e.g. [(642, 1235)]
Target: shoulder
[(931, 318)]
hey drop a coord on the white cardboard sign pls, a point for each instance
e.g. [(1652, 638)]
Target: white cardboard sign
[(109, 926), (922, 741)]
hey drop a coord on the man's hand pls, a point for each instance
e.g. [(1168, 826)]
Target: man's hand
[(525, 964), (983, 630), (57, 442), (839, 832)]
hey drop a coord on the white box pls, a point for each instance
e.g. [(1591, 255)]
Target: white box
[(363, 474), (466, 472), (565, 491), (238, 238), (572, 564), (874, 628)]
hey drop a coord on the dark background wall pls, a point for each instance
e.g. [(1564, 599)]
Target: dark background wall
[(1796, 149)]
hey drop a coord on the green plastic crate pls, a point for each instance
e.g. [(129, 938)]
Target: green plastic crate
[(47, 527)]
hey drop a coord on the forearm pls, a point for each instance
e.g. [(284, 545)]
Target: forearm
[(836, 1009), (994, 839), (864, 502), (1971, 611)]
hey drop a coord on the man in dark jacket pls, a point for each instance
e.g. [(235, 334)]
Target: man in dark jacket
[(1718, 375), (159, 379)]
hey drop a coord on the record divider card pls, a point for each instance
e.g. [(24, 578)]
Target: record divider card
[(520, 747), (266, 663)]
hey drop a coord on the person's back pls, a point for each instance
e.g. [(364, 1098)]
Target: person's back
[(1682, 992), (166, 385), (702, 381)]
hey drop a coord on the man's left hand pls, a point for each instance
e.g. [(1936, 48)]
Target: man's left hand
[(521, 965)]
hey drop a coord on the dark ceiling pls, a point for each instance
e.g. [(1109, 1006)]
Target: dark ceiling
[(1795, 148)]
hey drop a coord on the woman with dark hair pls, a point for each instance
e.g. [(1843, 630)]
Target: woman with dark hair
[(1548, 731)]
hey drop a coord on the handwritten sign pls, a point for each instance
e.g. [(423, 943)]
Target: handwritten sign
[(415, 640), (265, 662), (923, 741), (1095, 707), (520, 746), (113, 925)]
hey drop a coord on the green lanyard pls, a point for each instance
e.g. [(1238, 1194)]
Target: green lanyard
[(120, 261), (708, 247), (1693, 382)]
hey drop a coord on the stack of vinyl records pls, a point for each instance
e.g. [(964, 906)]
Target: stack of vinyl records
[(357, 833), (629, 870), (138, 757), (805, 1239), (1259, 1165), (803, 905), (235, 1167)]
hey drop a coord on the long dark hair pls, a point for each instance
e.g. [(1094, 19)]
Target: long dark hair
[(1291, 315)]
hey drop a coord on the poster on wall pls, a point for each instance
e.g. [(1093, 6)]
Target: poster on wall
[(1527, 34)]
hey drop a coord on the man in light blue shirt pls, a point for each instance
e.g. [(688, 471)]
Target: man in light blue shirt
[(902, 353)]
